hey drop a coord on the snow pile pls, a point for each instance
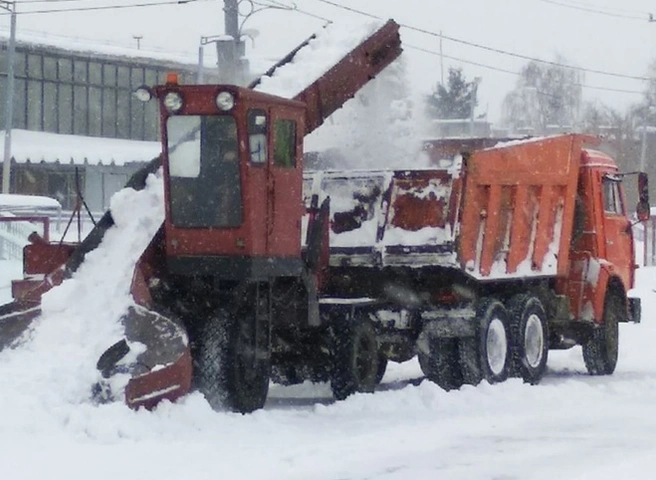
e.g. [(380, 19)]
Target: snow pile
[(320, 55), (56, 364), (76, 149)]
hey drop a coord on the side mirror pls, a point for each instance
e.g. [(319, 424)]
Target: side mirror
[(643, 209)]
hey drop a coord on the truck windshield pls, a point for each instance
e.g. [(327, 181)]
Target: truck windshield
[(204, 178)]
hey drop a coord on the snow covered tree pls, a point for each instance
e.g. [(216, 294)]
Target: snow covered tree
[(544, 95), (452, 100)]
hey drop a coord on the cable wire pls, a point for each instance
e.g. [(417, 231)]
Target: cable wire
[(512, 72), (291, 8), (109, 7), (584, 8), (490, 49)]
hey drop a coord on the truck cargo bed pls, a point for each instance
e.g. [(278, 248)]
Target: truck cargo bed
[(503, 212)]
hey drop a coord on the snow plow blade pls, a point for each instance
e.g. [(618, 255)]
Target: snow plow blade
[(155, 353)]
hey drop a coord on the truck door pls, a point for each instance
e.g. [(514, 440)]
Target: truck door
[(617, 228), (285, 184)]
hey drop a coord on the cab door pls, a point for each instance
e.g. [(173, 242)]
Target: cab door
[(617, 238), (285, 183)]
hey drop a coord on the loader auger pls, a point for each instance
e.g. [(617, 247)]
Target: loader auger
[(16, 317), (165, 340)]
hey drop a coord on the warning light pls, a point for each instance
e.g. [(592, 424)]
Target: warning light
[(171, 78)]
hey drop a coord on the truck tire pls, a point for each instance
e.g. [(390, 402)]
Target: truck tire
[(601, 351), (529, 345), (355, 365), (440, 364), (231, 374), (487, 354)]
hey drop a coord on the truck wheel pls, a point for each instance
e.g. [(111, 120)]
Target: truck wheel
[(487, 354), (233, 372), (529, 335), (440, 363), (355, 358), (600, 352)]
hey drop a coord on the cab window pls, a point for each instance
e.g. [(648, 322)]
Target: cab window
[(612, 198), (257, 136), (284, 154)]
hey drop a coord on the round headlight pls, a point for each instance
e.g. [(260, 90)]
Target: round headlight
[(173, 101), (225, 101), (143, 93)]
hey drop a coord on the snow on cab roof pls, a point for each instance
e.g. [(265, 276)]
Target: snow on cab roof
[(43, 147)]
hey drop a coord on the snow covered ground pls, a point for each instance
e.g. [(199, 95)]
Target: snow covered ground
[(571, 424)]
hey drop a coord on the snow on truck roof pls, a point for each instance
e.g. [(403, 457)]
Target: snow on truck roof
[(43, 147)]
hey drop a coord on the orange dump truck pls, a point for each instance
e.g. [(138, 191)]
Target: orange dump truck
[(489, 262)]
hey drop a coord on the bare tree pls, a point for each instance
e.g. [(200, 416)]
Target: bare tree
[(544, 95)]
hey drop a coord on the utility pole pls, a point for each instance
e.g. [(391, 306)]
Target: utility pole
[(9, 95), (229, 47), (231, 20)]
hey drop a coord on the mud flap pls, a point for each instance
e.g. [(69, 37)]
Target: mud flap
[(154, 354)]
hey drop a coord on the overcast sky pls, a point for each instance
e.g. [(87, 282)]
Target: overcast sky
[(604, 35)]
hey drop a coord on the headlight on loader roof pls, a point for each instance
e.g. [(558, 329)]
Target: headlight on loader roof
[(173, 102), (225, 101)]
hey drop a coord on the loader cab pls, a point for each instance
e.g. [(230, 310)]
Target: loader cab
[(233, 162)]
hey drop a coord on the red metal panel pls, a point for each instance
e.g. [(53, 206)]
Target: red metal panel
[(341, 82), (548, 166), (521, 226)]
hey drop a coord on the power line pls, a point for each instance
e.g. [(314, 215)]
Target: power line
[(109, 7), (512, 72), (489, 49), (590, 9), (291, 8), (22, 2)]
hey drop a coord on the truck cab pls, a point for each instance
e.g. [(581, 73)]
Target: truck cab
[(602, 241)]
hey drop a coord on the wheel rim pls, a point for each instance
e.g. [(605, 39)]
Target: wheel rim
[(497, 346), (533, 341)]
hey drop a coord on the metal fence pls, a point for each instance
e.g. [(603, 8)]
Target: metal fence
[(15, 232)]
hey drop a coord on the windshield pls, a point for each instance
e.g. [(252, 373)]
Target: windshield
[(205, 184)]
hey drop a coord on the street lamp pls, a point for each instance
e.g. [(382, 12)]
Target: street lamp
[(9, 95)]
